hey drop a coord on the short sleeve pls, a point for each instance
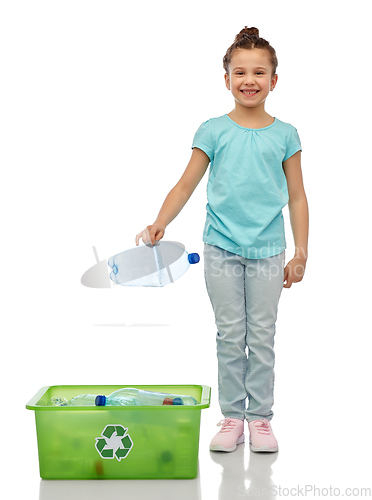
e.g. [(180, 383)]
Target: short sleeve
[(293, 143), (204, 139)]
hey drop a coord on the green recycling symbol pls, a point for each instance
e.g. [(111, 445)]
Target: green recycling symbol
[(114, 443)]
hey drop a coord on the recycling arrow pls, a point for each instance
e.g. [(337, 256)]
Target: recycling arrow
[(121, 453), (114, 442)]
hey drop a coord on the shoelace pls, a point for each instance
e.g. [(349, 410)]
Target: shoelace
[(262, 426), (227, 424)]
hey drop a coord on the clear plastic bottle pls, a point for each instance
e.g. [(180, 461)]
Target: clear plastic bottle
[(130, 396), (154, 265), (57, 401), (83, 400)]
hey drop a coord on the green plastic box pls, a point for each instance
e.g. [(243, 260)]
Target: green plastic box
[(118, 442)]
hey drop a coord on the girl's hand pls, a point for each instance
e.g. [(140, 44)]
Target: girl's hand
[(150, 234), (294, 271)]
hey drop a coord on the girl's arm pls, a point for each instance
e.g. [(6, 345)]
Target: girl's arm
[(177, 197), (299, 216)]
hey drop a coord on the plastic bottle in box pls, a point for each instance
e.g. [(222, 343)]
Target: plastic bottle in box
[(129, 396), (132, 397)]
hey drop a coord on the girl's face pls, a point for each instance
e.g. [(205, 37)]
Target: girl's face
[(249, 78)]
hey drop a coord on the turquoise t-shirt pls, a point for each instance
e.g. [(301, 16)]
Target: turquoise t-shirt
[(247, 187)]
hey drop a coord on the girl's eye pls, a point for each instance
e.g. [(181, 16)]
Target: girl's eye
[(257, 73)]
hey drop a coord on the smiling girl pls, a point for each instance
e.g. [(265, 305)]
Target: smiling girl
[(255, 170)]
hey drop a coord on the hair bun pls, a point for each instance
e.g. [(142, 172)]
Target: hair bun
[(247, 32), (249, 38)]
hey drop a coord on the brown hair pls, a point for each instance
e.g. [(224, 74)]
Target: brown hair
[(249, 38)]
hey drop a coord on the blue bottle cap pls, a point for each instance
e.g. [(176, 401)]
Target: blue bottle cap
[(101, 400), (193, 258), (177, 401)]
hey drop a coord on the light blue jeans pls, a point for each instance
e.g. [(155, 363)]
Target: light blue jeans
[(244, 294)]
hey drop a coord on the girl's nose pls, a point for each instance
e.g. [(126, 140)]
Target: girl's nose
[(249, 79)]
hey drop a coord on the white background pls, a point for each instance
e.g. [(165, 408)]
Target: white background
[(99, 105)]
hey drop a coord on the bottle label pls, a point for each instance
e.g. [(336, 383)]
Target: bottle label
[(114, 442)]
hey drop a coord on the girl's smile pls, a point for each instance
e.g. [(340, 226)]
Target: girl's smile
[(250, 93)]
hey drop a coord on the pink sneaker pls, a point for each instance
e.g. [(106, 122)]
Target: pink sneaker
[(261, 436), (231, 434)]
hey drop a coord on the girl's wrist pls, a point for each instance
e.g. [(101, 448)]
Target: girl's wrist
[(301, 253), (301, 259), (161, 223)]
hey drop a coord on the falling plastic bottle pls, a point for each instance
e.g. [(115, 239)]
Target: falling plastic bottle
[(155, 265), (137, 397)]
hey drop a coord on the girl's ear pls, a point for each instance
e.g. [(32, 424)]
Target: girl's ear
[(273, 81), (227, 81)]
